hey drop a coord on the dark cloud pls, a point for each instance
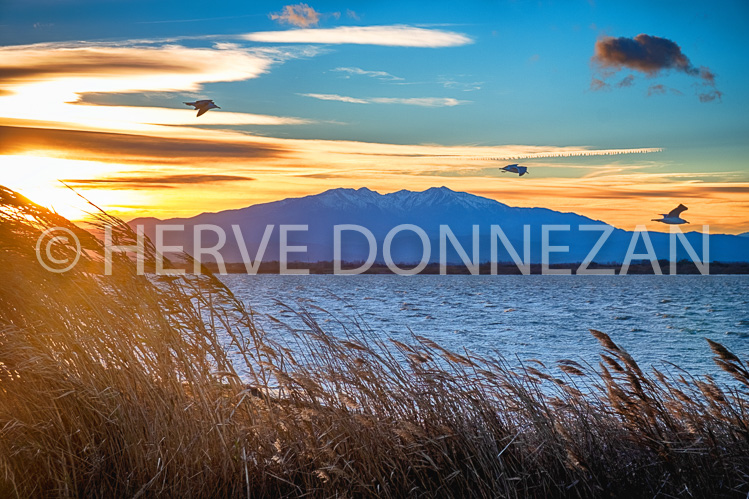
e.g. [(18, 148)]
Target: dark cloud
[(645, 53), (707, 75), (598, 84), (627, 81), (661, 89), (162, 181), (128, 148), (710, 96), (652, 56), (656, 90)]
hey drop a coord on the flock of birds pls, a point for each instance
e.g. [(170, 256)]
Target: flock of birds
[(671, 218)]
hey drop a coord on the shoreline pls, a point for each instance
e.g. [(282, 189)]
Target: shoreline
[(683, 267)]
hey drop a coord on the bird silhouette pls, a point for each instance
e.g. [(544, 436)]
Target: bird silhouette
[(672, 217), (520, 170), (203, 106)]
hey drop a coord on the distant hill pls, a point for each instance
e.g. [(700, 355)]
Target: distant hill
[(379, 213)]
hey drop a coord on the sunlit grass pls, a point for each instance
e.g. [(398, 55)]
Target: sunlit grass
[(122, 386)]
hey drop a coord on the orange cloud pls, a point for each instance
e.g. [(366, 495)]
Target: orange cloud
[(301, 15), (112, 68), (45, 82), (128, 148), (153, 181), (620, 195)]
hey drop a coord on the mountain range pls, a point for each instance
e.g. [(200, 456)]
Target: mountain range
[(428, 210)]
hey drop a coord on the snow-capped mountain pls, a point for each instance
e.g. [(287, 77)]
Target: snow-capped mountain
[(427, 210)]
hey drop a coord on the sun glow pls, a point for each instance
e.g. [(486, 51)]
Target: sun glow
[(39, 179)]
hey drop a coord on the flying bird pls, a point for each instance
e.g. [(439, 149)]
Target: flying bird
[(672, 217), (520, 170), (203, 106)]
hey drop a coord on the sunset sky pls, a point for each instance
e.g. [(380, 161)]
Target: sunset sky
[(621, 110)]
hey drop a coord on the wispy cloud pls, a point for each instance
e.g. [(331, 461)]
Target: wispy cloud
[(286, 167), (650, 55), (130, 117), (630, 187), (420, 101), (154, 181), (336, 97), (410, 101), (380, 75), (391, 36), (129, 148), (300, 15), (211, 147), (530, 152), (455, 84), (127, 68), (45, 81)]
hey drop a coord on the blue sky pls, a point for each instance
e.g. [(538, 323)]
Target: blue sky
[(522, 76)]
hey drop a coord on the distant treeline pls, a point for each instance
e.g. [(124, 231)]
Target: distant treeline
[(503, 268)]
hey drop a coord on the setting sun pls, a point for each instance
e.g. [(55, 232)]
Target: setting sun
[(41, 180)]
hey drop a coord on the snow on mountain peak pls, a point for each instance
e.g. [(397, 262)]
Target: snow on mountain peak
[(402, 200)]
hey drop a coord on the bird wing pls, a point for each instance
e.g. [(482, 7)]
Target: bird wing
[(204, 102), (677, 211), (202, 111), (509, 166), (190, 103)]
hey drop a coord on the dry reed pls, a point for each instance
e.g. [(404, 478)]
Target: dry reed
[(122, 386)]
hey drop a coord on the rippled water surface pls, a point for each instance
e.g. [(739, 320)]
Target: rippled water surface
[(544, 317)]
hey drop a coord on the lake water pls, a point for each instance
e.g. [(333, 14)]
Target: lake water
[(544, 317)]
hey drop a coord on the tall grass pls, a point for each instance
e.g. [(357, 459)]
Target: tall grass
[(122, 386)]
